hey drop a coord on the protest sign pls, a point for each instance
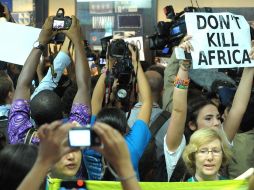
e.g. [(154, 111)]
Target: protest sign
[(220, 40), (16, 42), (138, 41)]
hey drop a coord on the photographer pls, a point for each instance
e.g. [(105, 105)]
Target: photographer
[(139, 136), (46, 105), (52, 147)]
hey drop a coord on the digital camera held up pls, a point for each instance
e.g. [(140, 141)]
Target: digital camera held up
[(61, 22)]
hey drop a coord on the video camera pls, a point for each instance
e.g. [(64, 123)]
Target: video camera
[(122, 69), (61, 22), (169, 34), (119, 50)]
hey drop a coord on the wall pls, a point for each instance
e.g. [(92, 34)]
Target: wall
[(68, 5), (180, 4), (22, 5)]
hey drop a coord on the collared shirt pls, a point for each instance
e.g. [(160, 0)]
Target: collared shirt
[(19, 120), (48, 82)]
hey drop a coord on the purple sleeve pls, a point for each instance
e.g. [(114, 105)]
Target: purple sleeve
[(80, 113), (19, 122)]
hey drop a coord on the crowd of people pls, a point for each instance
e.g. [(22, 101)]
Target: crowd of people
[(172, 131)]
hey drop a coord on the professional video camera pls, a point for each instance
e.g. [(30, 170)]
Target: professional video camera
[(119, 50), (122, 69), (169, 34)]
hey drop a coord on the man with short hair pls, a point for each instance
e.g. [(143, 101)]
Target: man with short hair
[(48, 103), (155, 81)]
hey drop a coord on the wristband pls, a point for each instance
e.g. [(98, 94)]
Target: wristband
[(126, 178), (181, 86), (184, 82)]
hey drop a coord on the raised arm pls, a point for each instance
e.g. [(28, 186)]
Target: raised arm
[(81, 68), (240, 102), (53, 145), (100, 88), (26, 76), (116, 152), (179, 111), (61, 61), (98, 94), (169, 77), (144, 88)]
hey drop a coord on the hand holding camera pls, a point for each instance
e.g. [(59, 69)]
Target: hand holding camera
[(74, 32), (60, 24), (47, 32), (114, 148), (53, 138)]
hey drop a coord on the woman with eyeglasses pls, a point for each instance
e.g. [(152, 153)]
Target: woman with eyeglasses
[(199, 113), (206, 152)]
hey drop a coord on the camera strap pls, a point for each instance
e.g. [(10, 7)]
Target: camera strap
[(108, 86)]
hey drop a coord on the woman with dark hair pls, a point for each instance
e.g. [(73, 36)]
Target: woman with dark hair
[(53, 147), (139, 135), (15, 162), (200, 113), (115, 118)]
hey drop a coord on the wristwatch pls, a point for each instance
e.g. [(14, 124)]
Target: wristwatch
[(39, 46)]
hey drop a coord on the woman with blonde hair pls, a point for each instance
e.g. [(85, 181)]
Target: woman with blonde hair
[(198, 113), (206, 152)]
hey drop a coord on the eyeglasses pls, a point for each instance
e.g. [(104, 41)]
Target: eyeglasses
[(205, 152)]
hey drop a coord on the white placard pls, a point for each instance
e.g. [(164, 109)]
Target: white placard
[(220, 40), (138, 41), (16, 42)]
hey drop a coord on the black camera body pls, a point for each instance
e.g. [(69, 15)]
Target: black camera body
[(119, 50), (61, 22), (122, 69), (169, 34)]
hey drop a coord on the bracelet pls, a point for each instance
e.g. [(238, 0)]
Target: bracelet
[(118, 178), (181, 86), (126, 178), (182, 82)]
